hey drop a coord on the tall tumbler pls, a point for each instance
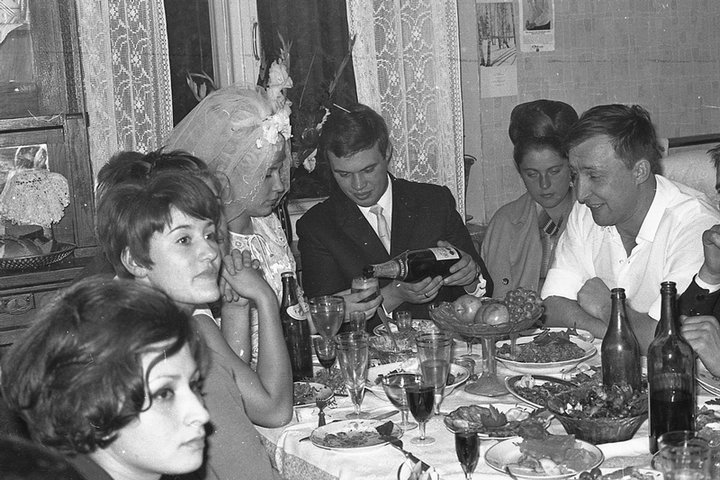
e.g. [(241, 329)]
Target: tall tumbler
[(434, 352), (352, 354)]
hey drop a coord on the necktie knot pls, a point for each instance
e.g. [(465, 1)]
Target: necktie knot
[(382, 227)]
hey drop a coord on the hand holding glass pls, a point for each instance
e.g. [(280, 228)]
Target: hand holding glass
[(394, 385), (328, 313), (434, 351), (352, 353)]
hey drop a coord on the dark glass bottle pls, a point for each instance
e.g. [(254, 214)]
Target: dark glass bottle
[(620, 351), (414, 265), (671, 373), (296, 330)]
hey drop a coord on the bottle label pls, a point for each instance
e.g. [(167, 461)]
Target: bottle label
[(445, 253), (296, 312)]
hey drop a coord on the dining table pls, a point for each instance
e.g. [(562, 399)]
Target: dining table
[(296, 459)]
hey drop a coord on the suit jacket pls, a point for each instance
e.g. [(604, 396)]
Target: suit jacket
[(336, 241), (697, 301)]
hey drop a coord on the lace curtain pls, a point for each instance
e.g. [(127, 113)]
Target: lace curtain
[(407, 67), (126, 73)]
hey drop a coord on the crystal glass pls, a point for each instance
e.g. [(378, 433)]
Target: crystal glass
[(403, 319), (360, 284), (325, 352), (394, 385), (434, 352), (352, 353), (357, 322), (467, 448), (684, 462), (328, 313), (420, 398)]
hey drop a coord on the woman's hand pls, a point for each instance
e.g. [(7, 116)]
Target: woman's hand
[(241, 278), (703, 335)]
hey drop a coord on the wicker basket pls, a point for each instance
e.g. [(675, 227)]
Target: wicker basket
[(34, 262)]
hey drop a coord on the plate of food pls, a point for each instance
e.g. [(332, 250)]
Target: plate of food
[(333, 379), (536, 389), (457, 376), (418, 325), (351, 435), (548, 352), (305, 393), (549, 457), (496, 422), (583, 335), (708, 381)]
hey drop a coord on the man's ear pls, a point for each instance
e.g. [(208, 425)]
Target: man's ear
[(641, 171), (131, 265), (389, 153)]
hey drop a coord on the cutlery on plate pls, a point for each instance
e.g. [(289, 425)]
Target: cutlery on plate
[(385, 431), (384, 415)]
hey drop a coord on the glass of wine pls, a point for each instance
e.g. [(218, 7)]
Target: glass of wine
[(394, 385), (467, 448), (360, 284), (325, 352), (352, 353), (328, 313), (420, 398), (434, 352)]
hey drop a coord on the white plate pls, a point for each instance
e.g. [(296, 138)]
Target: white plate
[(358, 434), (549, 367), (421, 325), (507, 453), (583, 335), (321, 391), (511, 385), (460, 373), (708, 381)]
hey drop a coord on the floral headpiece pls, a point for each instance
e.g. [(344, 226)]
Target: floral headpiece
[(275, 126)]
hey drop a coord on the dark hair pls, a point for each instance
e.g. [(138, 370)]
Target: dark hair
[(629, 129), (540, 124), (129, 166), (21, 459), (352, 130), (76, 376), (130, 213), (715, 156)]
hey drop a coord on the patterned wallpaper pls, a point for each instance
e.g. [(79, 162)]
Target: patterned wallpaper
[(664, 55)]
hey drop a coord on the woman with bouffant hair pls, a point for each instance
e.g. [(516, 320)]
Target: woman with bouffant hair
[(519, 245), (110, 375)]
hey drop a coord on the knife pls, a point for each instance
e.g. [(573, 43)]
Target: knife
[(385, 431)]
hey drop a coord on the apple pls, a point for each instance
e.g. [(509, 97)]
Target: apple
[(493, 313), (466, 308)]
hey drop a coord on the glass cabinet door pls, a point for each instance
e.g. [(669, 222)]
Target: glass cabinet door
[(18, 88)]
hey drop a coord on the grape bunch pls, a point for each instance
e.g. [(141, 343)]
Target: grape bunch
[(523, 303)]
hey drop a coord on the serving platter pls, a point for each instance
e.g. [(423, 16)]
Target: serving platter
[(352, 435), (513, 383), (708, 381), (507, 453), (460, 374), (583, 335), (501, 433), (418, 324), (546, 367)]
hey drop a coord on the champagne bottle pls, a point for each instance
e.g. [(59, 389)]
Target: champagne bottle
[(620, 350), (671, 373), (414, 265), (296, 330)]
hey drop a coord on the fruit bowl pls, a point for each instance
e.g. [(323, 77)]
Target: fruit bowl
[(446, 318)]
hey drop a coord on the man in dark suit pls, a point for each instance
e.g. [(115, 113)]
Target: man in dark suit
[(372, 216)]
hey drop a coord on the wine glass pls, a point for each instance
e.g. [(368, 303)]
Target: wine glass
[(434, 350), (420, 397), (360, 284), (325, 352), (467, 448), (328, 313), (394, 385), (352, 353)]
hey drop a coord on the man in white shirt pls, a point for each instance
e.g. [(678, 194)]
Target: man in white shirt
[(633, 229)]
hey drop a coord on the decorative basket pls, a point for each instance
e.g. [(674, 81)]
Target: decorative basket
[(601, 429), (34, 262)]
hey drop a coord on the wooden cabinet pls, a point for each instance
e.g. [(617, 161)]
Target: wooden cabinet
[(42, 104)]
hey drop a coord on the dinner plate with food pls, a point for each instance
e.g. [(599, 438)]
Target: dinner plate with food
[(549, 457), (306, 393), (546, 353), (535, 390), (418, 325), (457, 376), (352, 435), (707, 380), (583, 335), (496, 422)]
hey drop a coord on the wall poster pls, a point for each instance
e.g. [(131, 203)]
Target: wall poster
[(497, 48), (537, 22)]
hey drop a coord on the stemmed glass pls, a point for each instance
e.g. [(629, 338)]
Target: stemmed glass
[(328, 313), (352, 353), (420, 397), (325, 351), (467, 448), (434, 350), (394, 385)]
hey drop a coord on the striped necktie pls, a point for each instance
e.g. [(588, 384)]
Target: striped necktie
[(382, 226), (548, 238)]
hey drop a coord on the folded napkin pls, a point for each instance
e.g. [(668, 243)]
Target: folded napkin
[(630, 453)]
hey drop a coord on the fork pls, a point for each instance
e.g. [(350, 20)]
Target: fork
[(321, 403)]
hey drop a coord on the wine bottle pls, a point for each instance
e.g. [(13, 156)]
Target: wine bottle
[(620, 350), (414, 265), (671, 373), (296, 330)]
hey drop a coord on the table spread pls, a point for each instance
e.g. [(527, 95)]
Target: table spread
[(303, 460)]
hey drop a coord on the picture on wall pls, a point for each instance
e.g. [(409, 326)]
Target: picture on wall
[(497, 48), (537, 18)]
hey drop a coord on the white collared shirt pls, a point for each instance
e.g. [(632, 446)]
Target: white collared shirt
[(385, 202), (668, 247)]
